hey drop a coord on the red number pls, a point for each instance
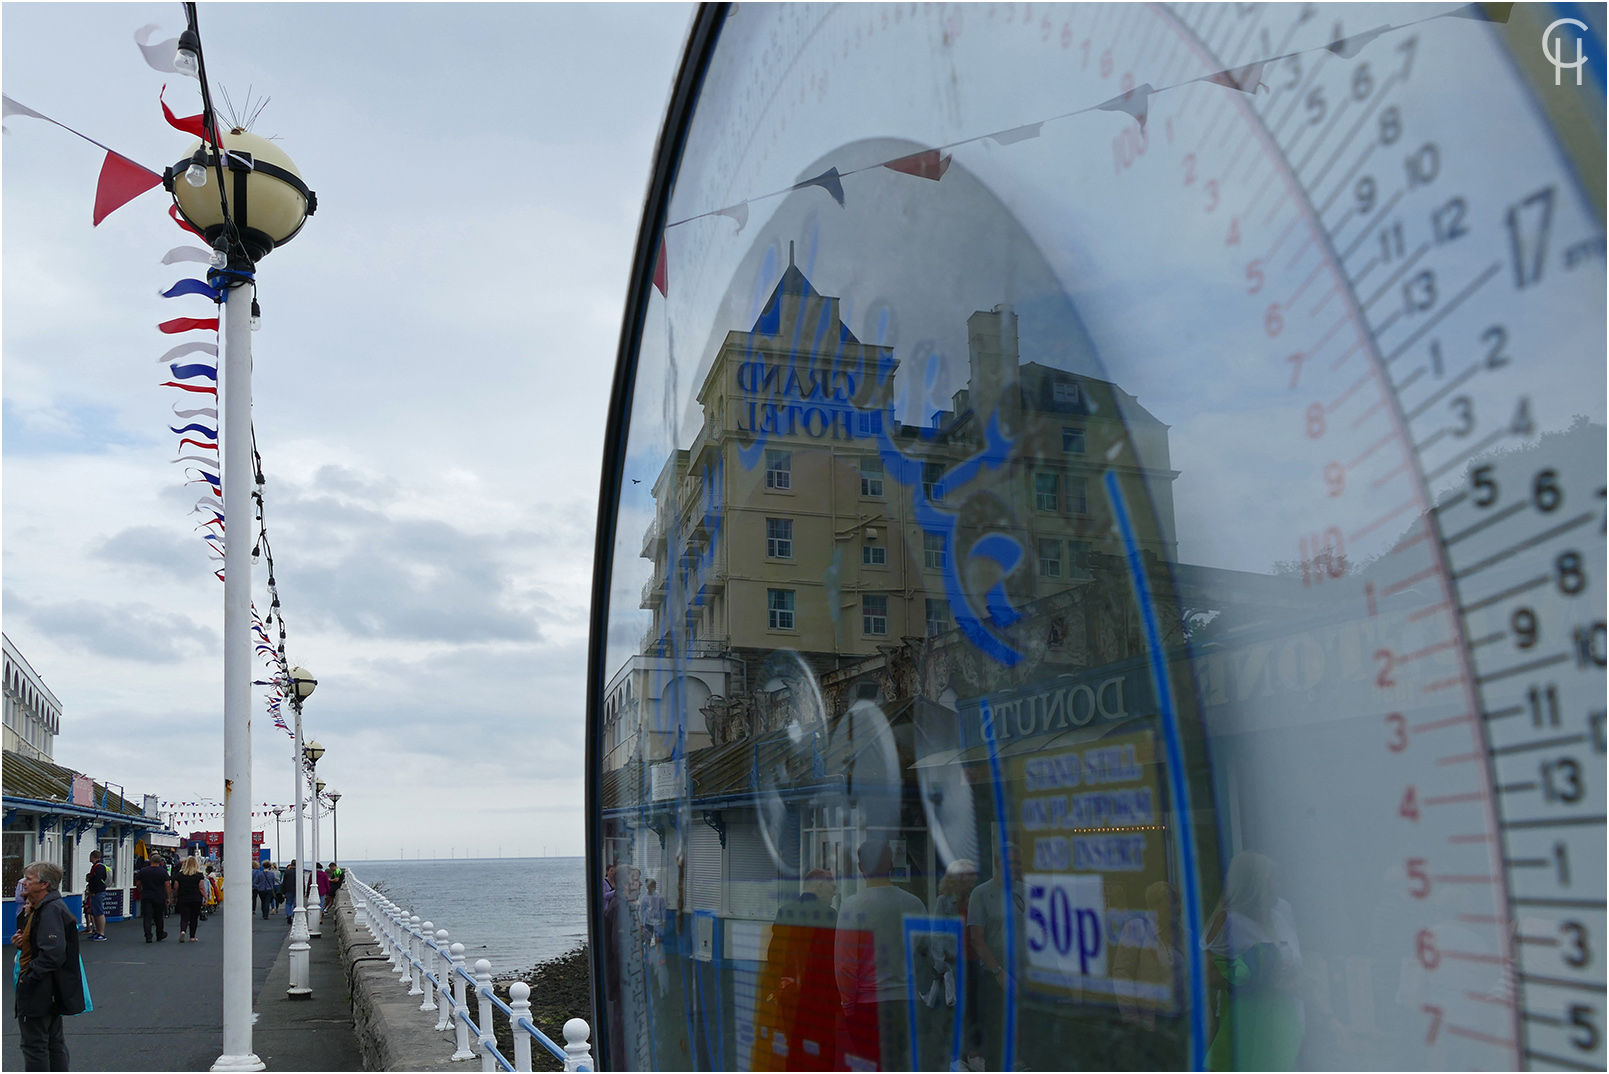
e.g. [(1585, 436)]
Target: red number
[(1212, 191), (1273, 320), (1424, 945), (1066, 35), (1254, 277), (1388, 664), (1296, 361), (1421, 879), (1399, 732), (1128, 81), (1085, 47), (1189, 168), (1106, 64), (1368, 593), (1315, 421), (1435, 1022), (1335, 478), (1234, 233), (1410, 805)]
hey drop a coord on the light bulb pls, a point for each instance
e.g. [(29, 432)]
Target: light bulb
[(186, 62), (256, 321), (220, 257), (196, 175)]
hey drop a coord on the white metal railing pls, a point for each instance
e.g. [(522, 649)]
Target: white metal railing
[(430, 966)]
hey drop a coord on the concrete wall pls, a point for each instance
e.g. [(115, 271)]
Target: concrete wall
[(393, 1033)]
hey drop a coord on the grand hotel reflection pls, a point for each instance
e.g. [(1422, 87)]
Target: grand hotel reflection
[(867, 636)]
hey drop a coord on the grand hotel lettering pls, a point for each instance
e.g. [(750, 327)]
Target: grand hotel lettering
[(814, 415)]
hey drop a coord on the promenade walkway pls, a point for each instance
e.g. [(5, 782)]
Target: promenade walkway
[(159, 1006)]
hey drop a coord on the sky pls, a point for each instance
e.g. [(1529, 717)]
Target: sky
[(430, 386)]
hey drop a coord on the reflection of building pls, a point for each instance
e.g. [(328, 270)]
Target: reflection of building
[(33, 715)]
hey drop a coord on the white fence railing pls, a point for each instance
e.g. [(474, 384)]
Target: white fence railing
[(429, 966)]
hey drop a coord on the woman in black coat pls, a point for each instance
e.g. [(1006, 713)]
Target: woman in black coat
[(51, 982)]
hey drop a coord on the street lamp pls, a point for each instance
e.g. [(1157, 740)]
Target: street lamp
[(279, 838), (264, 207), (300, 685), (335, 825), (309, 877)]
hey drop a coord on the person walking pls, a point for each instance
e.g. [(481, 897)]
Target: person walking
[(262, 892), (869, 962), (154, 889), (95, 890), (274, 879), (287, 890), (323, 880), (50, 976), (189, 896)]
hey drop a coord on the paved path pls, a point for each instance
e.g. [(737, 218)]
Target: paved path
[(159, 1006)]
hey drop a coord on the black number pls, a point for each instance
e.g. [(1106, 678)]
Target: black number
[(1485, 487), (1545, 491), (1419, 292), (1362, 82), (1423, 165), (1526, 631), (1495, 338), (1407, 49), (1296, 72), (1390, 125), (1528, 223), (1561, 780), (1316, 108), (1435, 357), (1464, 407), (1589, 645), (1581, 1018), (1595, 722), (1536, 697), (1448, 221), (1365, 192), (1575, 935), (1391, 242), (1561, 863), (1522, 425), (1572, 579)]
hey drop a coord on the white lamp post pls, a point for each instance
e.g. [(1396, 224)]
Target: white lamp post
[(301, 686), (309, 877), (335, 824), (245, 204)]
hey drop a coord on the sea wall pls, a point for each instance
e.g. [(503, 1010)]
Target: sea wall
[(393, 1033)]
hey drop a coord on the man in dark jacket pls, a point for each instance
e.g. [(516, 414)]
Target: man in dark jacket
[(155, 890), (50, 983), (287, 888)]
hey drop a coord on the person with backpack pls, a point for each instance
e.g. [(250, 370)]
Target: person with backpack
[(50, 978), (262, 888)]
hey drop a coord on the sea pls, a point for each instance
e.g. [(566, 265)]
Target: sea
[(513, 912)]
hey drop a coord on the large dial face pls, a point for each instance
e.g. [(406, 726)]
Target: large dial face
[(1108, 545)]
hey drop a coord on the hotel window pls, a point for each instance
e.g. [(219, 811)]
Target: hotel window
[(779, 604), (868, 422), (1072, 441), (1065, 391), (779, 538), (1045, 492), (1078, 559), (1050, 558), (1078, 495), (938, 616), (933, 480), (779, 469), (871, 476), (873, 555), (933, 551), (874, 614)]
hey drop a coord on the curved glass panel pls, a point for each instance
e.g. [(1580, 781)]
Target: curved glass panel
[(1109, 557)]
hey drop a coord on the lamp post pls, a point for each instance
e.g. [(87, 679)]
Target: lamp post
[(279, 837), (300, 687), (264, 206), (308, 878), (335, 825)]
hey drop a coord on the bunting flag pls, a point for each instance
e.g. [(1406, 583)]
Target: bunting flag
[(738, 212), (187, 253), (193, 287), (186, 372), (188, 324), (829, 181), (121, 182), (173, 211), (202, 444), (1136, 102), (189, 348), (660, 270), (1248, 79), (924, 165), (204, 412), (1348, 47), (1016, 134), (159, 56), (190, 387), (195, 427), (195, 124)]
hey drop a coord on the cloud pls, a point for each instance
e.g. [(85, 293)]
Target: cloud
[(157, 549), (136, 632)]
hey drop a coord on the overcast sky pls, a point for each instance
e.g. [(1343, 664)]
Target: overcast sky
[(430, 388)]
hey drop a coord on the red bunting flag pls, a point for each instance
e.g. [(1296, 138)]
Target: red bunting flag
[(659, 269), (188, 324), (173, 211), (924, 165), (190, 387), (188, 124), (121, 182)]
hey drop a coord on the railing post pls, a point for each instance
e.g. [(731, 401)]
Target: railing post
[(392, 947), (519, 1001), (461, 1006), (427, 962), (483, 992), (410, 926), (414, 967), (577, 1051), (442, 963)]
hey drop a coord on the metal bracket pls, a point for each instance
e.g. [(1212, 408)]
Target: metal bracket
[(713, 818)]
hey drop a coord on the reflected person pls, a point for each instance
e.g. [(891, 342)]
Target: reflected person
[(986, 928), (1256, 969), (799, 1006), (869, 962)]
